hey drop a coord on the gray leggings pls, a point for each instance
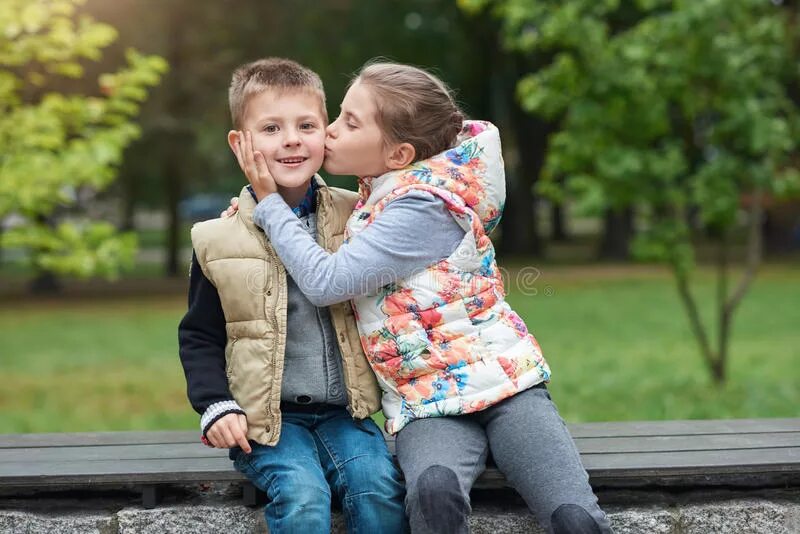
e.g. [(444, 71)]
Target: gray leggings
[(442, 456)]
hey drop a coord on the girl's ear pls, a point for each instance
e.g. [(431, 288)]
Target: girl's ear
[(400, 156), (233, 138)]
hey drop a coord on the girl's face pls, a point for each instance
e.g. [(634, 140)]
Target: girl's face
[(355, 144)]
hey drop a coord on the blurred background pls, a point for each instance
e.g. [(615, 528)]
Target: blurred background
[(650, 239)]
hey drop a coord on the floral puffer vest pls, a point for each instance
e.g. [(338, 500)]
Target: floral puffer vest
[(444, 341)]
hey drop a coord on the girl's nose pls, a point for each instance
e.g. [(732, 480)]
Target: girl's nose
[(330, 131)]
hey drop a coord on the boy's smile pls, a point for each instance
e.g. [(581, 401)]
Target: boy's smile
[(293, 162)]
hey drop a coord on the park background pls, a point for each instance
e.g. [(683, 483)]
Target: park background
[(650, 240)]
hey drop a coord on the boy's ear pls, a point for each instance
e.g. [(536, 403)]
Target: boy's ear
[(233, 138), (400, 156)]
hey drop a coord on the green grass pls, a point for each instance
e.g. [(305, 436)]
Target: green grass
[(616, 338), (620, 348), (96, 365)]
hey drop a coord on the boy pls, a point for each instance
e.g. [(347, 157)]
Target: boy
[(282, 383)]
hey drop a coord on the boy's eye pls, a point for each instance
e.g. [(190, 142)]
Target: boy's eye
[(350, 125), (271, 128), (307, 126)]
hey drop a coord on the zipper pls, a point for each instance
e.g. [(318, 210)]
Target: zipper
[(340, 337), (326, 347), (320, 239), (273, 316), (229, 359)]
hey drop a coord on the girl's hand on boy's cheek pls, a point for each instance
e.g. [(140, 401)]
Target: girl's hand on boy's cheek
[(254, 166), (232, 209)]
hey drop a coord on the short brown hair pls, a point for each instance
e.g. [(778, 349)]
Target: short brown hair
[(414, 106), (270, 73)]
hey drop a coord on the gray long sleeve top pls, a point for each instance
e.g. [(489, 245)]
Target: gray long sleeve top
[(410, 234)]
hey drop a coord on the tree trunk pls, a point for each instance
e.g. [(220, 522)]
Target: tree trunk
[(45, 282), (558, 222), (723, 316), (172, 182), (520, 228), (128, 194), (718, 371), (178, 141), (530, 138), (617, 234), (522, 134), (695, 322), (778, 227)]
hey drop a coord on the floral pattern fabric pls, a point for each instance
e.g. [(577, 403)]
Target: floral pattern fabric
[(444, 341)]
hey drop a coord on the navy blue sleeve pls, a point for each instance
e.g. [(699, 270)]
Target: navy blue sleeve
[(201, 340)]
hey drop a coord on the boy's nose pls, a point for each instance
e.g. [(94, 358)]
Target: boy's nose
[(291, 138)]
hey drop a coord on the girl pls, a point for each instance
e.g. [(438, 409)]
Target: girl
[(460, 373)]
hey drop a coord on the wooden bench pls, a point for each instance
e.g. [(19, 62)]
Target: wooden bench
[(733, 453)]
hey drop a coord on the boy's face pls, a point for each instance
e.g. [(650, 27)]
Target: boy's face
[(288, 128), (355, 142)]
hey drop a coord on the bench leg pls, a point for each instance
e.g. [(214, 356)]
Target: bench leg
[(250, 494), (150, 496)]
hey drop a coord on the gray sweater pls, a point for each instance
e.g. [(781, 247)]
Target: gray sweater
[(389, 249), (312, 365)]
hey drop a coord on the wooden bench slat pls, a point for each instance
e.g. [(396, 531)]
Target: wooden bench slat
[(738, 452), (673, 444), (165, 470), (743, 458), (578, 430), (682, 428), (79, 439), (600, 467), (110, 452), (696, 460), (717, 442)]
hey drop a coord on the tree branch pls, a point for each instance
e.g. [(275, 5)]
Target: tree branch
[(754, 246), (694, 317), (723, 316)]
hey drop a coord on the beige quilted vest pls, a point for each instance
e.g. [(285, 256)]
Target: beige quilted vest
[(237, 258)]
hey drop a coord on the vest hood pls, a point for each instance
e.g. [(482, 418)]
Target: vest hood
[(472, 170)]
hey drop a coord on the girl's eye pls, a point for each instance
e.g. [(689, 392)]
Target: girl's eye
[(307, 126), (271, 128), (350, 126)]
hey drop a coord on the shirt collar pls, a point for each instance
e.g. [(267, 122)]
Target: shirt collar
[(306, 207)]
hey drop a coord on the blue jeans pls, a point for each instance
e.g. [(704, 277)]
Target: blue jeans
[(323, 452)]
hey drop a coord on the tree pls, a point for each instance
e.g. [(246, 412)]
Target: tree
[(183, 150), (57, 144), (676, 108)]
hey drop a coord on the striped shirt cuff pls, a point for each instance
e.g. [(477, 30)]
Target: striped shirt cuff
[(216, 411)]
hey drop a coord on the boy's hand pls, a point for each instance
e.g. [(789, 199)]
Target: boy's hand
[(229, 431), (232, 209), (254, 166)]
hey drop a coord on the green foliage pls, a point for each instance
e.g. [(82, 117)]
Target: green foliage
[(678, 109), (57, 145), (663, 105)]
